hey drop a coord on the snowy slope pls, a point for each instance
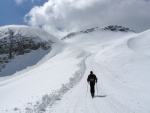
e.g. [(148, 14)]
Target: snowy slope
[(97, 40), (122, 68), (58, 84), (29, 45), (32, 85)]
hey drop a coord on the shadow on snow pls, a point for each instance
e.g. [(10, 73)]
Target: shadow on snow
[(100, 95)]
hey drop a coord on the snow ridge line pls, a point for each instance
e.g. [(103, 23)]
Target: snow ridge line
[(50, 99)]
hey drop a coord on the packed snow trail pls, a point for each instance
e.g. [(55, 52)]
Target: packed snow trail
[(77, 100)]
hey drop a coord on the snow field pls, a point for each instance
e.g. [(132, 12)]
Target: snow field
[(30, 87), (49, 99), (120, 61)]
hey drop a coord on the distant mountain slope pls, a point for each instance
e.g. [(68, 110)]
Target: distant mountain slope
[(17, 41), (97, 40), (109, 28)]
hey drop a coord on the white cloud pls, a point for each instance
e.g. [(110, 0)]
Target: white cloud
[(19, 1), (60, 16)]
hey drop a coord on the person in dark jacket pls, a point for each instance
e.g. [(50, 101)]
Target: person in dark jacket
[(91, 80)]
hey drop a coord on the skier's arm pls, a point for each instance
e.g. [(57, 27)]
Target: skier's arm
[(88, 79)]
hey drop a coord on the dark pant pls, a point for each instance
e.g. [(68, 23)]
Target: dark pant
[(92, 86)]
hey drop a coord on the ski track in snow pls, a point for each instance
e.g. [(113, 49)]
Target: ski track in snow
[(49, 99), (77, 100)]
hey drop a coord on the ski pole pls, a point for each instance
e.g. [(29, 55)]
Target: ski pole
[(87, 89), (96, 88)]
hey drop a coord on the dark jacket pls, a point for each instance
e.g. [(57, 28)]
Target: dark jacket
[(92, 78)]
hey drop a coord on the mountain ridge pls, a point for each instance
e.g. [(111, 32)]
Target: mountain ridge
[(115, 28)]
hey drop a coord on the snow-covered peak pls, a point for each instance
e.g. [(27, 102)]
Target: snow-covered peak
[(108, 28), (23, 42), (27, 31)]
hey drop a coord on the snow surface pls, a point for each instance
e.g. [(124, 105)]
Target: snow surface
[(57, 84), (27, 60), (29, 31)]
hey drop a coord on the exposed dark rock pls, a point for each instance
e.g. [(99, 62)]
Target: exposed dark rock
[(110, 28), (12, 44)]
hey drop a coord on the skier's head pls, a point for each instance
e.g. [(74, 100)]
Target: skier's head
[(91, 72)]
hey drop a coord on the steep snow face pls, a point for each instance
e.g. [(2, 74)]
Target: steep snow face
[(23, 46)]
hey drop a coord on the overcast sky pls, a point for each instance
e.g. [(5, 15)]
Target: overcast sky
[(63, 16)]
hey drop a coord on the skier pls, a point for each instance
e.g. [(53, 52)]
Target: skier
[(91, 80)]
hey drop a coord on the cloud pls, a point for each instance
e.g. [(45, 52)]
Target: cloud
[(62, 16), (18, 2)]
